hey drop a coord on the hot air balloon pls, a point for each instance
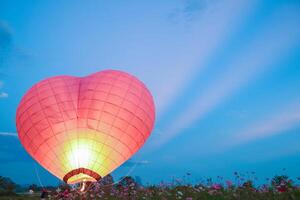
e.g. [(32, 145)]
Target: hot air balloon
[(82, 128)]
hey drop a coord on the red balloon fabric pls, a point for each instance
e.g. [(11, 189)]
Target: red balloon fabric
[(82, 128)]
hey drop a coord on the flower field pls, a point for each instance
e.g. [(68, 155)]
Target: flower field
[(279, 187)]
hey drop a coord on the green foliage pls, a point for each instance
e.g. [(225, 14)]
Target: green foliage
[(7, 186)]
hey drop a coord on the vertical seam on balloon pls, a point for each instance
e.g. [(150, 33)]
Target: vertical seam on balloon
[(59, 142), (60, 110), (106, 101), (103, 144), (23, 101), (93, 145), (77, 113), (78, 95), (143, 123), (116, 116), (38, 97), (19, 115), (136, 106), (32, 127), (111, 125)]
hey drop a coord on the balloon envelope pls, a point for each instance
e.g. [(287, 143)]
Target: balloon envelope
[(82, 128)]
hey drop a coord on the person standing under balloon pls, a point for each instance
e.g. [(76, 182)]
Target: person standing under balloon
[(44, 194)]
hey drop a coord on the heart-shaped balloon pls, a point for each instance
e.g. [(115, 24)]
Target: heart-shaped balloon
[(82, 128)]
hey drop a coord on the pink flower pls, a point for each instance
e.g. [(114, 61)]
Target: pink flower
[(228, 183), (281, 189), (216, 186)]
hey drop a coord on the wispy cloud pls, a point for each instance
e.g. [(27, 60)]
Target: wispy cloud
[(208, 33), (8, 134), (5, 35), (132, 163), (9, 51), (278, 37), (1, 84), (5, 41), (187, 10), (3, 95), (278, 123)]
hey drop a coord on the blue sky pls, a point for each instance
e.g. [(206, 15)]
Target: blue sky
[(225, 76)]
